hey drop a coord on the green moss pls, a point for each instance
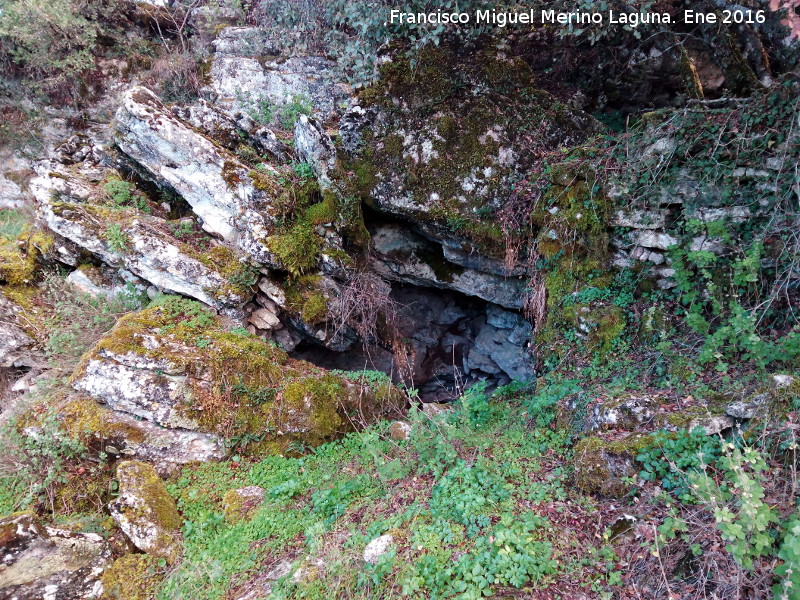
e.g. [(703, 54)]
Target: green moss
[(601, 465), (323, 212), (85, 420), (297, 247), (157, 507), (240, 275), (318, 399), (573, 244), (241, 388), (315, 308), (19, 259), (264, 182), (132, 577), (471, 136), (239, 506)]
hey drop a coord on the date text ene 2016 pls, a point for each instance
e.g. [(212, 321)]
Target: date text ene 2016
[(727, 17)]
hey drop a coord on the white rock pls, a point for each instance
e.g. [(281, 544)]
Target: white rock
[(210, 178), (782, 381), (145, 511), (640, 219), (659, 241), (264, 319), (377, 548)]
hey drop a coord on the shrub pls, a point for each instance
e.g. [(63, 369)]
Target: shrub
[(37, 457), (789, 553), (55, 41)]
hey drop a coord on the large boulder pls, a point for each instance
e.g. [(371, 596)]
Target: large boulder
[(421, 148), (176, 366), (39, 562), (121, 434), (233, 200), (246, 74), (145, 511), (74, 204)]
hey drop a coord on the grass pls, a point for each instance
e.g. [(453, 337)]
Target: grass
[(12, 223), (469, 503)]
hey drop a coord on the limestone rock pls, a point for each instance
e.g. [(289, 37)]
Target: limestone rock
[(711, 424), (126, 436), (640, 219), (401, 255), (245, 72), (377, 548), (174, 365), (145, 247), (601, 465), (145, 511), (783, 381), (232, 133), (315, 147), (17, 349), (445, 161), (222, 191), (244, 42), (206, 19), (748, 408), (100, 282), (626, 413), (265, 319), (659, 241), (38, 562)]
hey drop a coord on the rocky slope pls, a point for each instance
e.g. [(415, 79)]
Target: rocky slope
[(212, 292)]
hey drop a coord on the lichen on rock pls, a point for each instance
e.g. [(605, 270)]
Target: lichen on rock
[(146, 512), (174, 365)]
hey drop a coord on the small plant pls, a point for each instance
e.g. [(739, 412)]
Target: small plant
[(671, 458), (123, 193), (38, 457), (304, 171), (118, 240), (742, 515), (182, 230), (289, 113)]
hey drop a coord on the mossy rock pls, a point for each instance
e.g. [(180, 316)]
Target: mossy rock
[(176, 365), (146, 512), (241, 504), (449, 134), (132, 577), (601, 466), (20, 258)]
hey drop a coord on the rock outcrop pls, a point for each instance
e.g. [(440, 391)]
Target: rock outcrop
[(39, 562), (246, 75), (176, 367), (232, 199), (145, 511)]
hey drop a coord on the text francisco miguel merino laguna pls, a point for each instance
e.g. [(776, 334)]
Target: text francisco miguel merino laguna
[(631, 19)]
